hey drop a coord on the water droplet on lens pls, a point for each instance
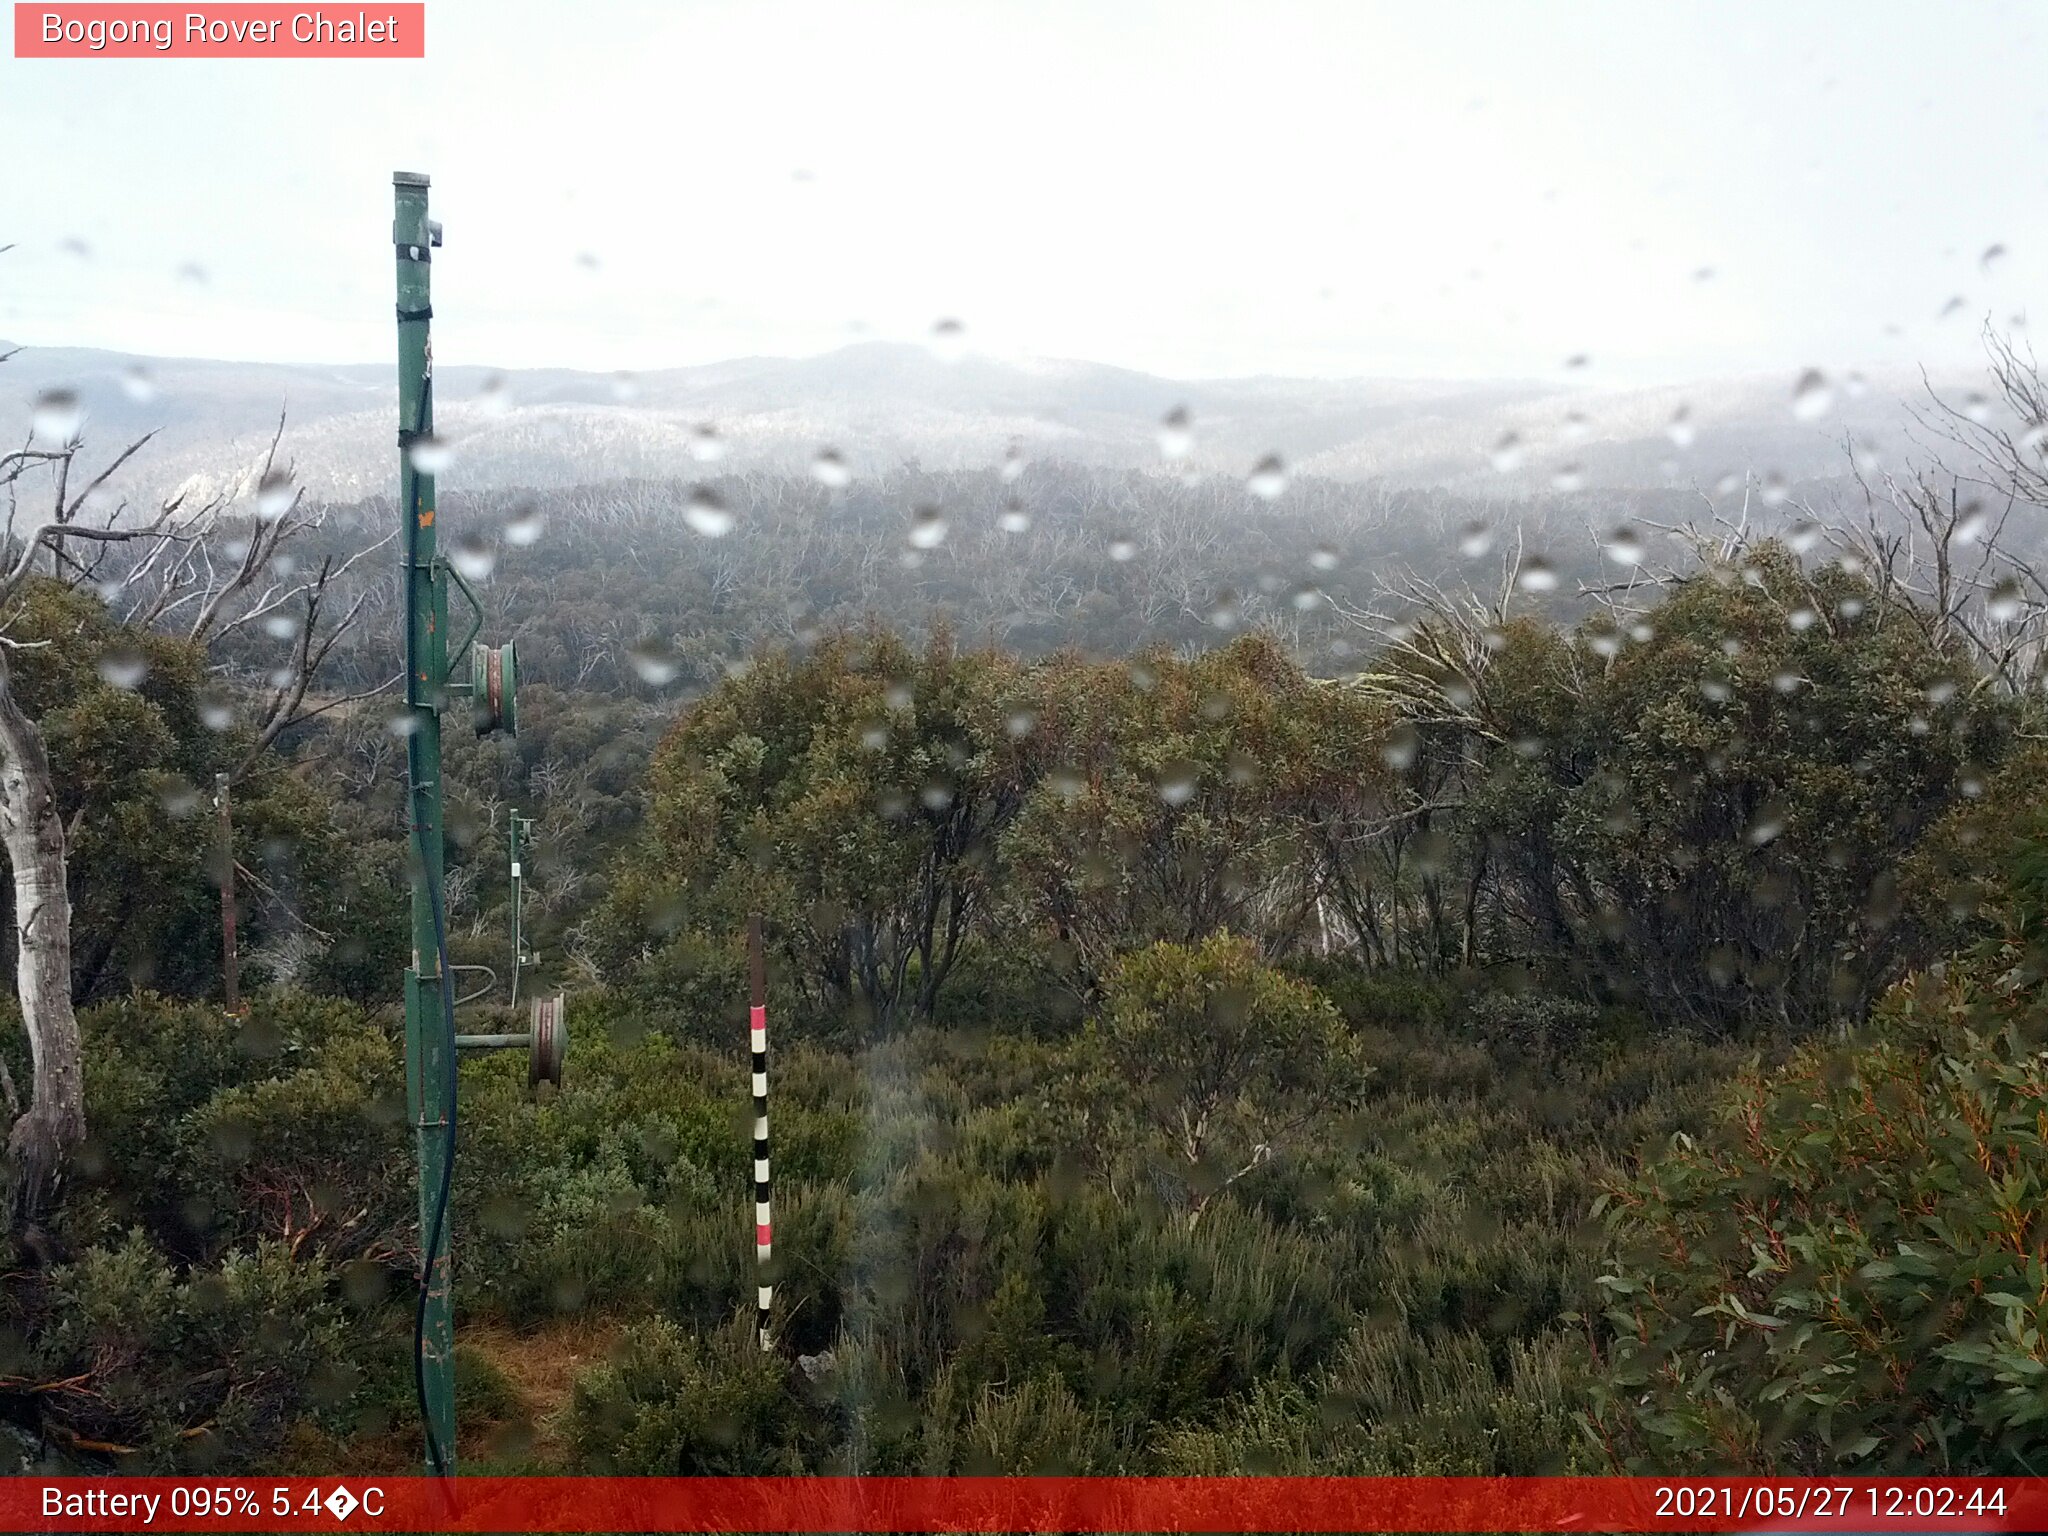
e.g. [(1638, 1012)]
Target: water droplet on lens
[(1681, 430), (472, 557), (1576, 426), (1578, 360), (1013, 518), (1021, 724), (124, 666), (1403, 745), (1177, 782), (1176, 434), (55, 418), (1971, 524), (280, 626), (2004, 602), (949, 340), (1507, 453), (1474, 540), (1767, 824), (828, 468), (1624, 546), (216, 712), (706, 446), (927, 527), (523, 528), (1323, 558), (705, 513), (654, 663), (1012, 469), (1121, 550), (1775, 492), (1268, 478), (1536, 575), (431, 456), (1571, 477), (495, 397), (137, 385), (1802, 536), (275, 495), (1993, 255), (624, 385), (1812, 396)]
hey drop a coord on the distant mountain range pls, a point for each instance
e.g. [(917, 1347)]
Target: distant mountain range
[(880, 403)]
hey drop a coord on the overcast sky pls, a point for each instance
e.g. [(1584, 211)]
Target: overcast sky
[(1349, 188)]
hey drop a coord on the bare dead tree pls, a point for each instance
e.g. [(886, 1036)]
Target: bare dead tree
[(160, 564)]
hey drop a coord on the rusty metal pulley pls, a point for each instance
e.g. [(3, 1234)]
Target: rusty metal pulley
[(494, 689), (549, 1041)]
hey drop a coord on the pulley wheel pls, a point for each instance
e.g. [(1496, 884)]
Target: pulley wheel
[(550, 1042)]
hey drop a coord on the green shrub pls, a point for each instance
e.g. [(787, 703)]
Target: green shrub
[(1218, 1062), (180, 1372), (679, 1404), (1851, 1271)]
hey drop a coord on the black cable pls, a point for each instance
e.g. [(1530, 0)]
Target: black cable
[(437, 1454)]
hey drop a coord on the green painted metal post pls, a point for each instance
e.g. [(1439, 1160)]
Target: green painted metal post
[(430, 1063), (519, 825)]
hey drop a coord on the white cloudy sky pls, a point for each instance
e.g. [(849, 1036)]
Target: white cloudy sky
[(1429, 188)]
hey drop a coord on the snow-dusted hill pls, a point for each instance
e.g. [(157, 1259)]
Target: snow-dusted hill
[(880, 403)]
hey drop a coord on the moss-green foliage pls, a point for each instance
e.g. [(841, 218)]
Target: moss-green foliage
[(855, 796), (1851, 1272), (972, 1295), (167, 1367), (1708, 821), (212, 1279), (1211, 1062), (1181, 1066), (126, 717)]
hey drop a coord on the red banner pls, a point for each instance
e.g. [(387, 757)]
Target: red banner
[(1107, 1504), (375, 30)]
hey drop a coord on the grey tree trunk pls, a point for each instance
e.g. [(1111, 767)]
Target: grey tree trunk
[(33, 833)]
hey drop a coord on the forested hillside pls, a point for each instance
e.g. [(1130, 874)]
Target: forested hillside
[(1341, 979)]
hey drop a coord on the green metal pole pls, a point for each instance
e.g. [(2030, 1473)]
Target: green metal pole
[(429, 1062), (518, 942)]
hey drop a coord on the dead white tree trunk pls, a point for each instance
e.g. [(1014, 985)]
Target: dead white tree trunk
[(45, 1135)]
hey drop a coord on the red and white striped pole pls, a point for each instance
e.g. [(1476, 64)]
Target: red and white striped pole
[(757, 1033)]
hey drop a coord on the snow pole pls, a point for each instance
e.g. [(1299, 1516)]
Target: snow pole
[(757, 1039)]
